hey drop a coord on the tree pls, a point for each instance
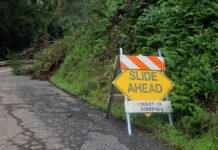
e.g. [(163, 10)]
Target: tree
[(21, 23)]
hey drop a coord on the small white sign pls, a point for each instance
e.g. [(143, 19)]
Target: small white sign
[(148, 107)]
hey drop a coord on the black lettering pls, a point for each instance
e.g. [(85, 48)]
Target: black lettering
[(145, 109), (137, 76), (139, 87), (147, 76), (131, 73), (154, 76), (140, 104), (144, 88), (131, 88), (142, 109), (148, 104), (158, 88), (151, 89)]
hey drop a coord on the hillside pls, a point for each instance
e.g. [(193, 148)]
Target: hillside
[(81, 62)]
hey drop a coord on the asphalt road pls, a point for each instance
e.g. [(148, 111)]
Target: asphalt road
[(35, 115)]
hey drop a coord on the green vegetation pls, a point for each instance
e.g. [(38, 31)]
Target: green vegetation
[(185, 31), (23, 23), (49, 59), (16, 65)]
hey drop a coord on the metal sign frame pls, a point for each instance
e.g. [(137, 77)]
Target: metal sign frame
[(110, 98)]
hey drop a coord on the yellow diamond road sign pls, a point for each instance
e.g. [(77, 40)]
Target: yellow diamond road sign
[(143, 85)]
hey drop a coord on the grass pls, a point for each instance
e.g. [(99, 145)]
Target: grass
[(88, 76), (181, 140), (161, 129), (87, 72), (94, 87)]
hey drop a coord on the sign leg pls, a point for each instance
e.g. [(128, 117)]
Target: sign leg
[(129, 124), (128, 120), (110, 100), (127, 114), (170, 118), (170, 114)]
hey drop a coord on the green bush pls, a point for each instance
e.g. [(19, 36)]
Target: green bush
[(186, 33), (197, 121)]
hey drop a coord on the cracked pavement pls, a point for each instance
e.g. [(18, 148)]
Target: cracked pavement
[(35, 115)]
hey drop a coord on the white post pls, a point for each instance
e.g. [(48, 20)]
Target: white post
[(127, 114)]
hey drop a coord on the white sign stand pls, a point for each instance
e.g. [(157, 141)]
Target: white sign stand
[(141, 106), (127, 114)]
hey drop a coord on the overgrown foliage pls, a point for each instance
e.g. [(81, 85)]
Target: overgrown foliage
[(22, 24), (50, 59), (185, 31)]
